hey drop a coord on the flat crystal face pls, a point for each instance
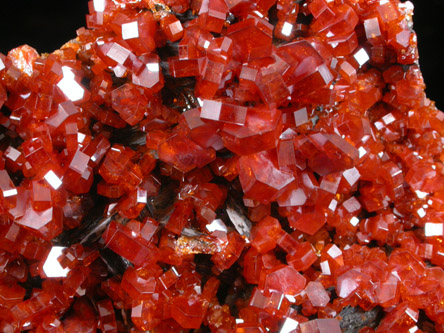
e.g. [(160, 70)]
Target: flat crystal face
[(51, 267), (223, 166)]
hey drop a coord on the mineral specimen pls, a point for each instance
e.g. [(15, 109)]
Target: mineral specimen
[(223, 165)]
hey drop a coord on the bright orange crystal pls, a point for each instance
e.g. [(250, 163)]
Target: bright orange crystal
[(225, 166)]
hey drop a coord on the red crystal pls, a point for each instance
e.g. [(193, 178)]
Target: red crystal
[(184, 154), (129, 244), (226, 165), (260, 178), (320, 326), (283, 279), (188, 311), (107, 318)]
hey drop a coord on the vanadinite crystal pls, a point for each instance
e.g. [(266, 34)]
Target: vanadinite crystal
[(225, 166)]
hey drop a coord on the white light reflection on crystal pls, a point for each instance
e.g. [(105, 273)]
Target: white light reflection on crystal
[(354, 221), (153, 67), (334, 251), (412, 314), (258, 13), (421, 212), (216, 225), (10, 193), (14, 118), (69, 86), (80, 137), (53, 180), (433, 229), (289, 325), (130, 30), (301, 116), (119, 71), (175, 271), (351, 176), (211, 109), (421, 195), (52, 267), (99, 5), (118, 53), (325, 268), (142, 196), (371, 27), (291, 298), (388, 118), (333, 204), (286, 29), (12, 153), (361, 57)]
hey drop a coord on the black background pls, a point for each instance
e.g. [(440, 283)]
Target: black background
[(48, 24)]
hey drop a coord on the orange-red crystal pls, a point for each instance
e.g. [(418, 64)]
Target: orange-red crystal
[(228, 165)]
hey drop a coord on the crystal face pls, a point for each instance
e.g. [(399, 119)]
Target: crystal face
[(224, 166)]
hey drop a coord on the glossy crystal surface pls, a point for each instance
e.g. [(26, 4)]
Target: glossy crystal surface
[(225, 166)]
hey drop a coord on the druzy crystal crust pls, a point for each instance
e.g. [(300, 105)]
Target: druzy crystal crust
[(225, 166)]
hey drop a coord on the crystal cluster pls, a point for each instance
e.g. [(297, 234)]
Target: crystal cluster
[(225, 166)]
